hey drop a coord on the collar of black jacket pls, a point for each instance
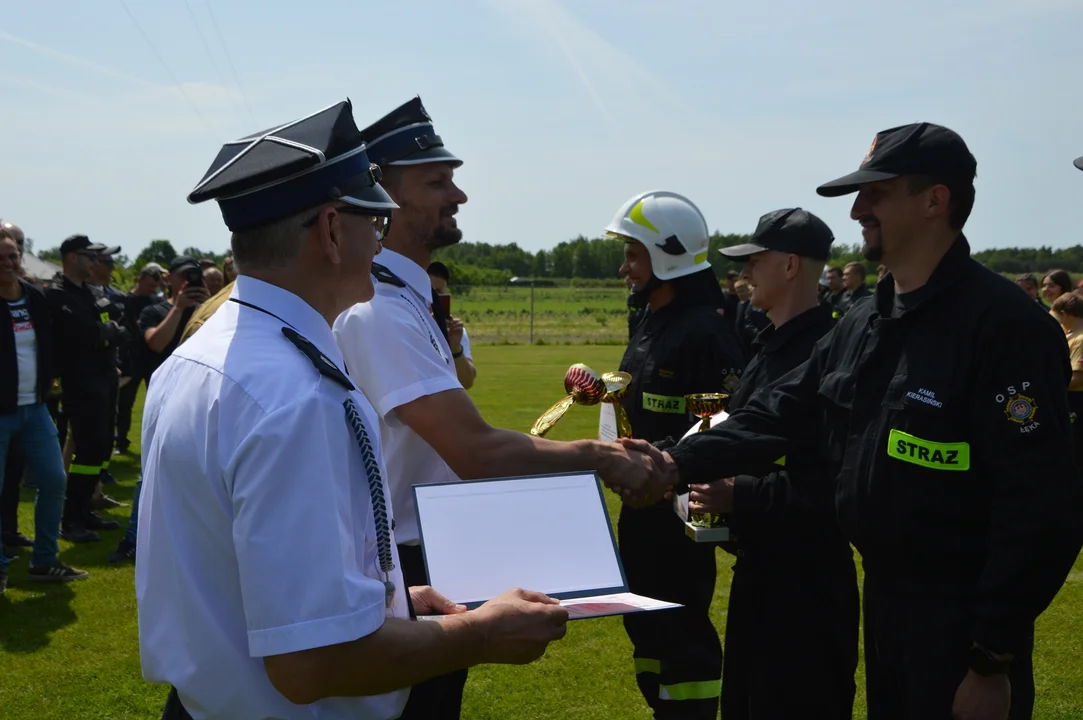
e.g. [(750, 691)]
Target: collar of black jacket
[(772, 338), (944, 276)]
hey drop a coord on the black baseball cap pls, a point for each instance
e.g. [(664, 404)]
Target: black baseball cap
[(183, 262), (790, 230), (76, 243), (918, 149)]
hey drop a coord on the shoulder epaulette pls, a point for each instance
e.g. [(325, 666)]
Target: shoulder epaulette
[(384, 275), (323, 365)]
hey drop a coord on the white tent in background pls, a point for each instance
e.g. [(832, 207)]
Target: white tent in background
[(38, 268)]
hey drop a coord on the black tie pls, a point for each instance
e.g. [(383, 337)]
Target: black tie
[(438, 313)]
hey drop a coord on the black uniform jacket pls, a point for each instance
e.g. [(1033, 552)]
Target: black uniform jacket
[(787, 513), (85, 345), (677, 350), (946, 424)]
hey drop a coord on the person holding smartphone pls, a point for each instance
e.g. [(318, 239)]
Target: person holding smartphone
[(163, 323)]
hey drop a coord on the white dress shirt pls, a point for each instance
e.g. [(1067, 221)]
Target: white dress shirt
[(396, 354), (256, 531)]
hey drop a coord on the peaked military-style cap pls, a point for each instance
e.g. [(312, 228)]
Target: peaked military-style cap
[(273, 174), (405, 136), (917, 149)]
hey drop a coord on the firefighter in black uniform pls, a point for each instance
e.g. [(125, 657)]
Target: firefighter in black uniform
[(941, 407), (682, 346), (794, 584), (111, 305), (86, 343)]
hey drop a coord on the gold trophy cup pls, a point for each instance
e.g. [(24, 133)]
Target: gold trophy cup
[(584, 387), (704, 406), (616, 386)]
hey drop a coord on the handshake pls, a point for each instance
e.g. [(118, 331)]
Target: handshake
[(637, 471)]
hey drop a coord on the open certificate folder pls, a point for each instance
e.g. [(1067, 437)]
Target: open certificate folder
[(549, 533)]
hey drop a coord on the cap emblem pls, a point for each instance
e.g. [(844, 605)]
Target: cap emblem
[(868, 155)]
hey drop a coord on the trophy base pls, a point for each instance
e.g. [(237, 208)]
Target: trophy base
[(707, 534), (699, 533)]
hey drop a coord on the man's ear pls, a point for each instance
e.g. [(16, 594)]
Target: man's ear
[(937, 202), (329, 234)]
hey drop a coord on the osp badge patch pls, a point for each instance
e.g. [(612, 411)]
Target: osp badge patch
[(1020, 409), (731, 382)]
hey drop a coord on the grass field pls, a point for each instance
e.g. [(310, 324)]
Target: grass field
[(71, 651), (562, 315)]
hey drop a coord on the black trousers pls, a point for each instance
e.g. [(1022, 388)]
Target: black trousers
[(678, 656), (916, 645), (791, 640), (173, 709), (87, 408), (441, 697), (14, 468), (125, 402)]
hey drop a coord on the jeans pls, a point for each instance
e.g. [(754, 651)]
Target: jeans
[(32, 428)]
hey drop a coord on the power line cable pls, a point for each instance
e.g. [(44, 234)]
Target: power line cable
[(232, 67), (169, 72), (203, 39)]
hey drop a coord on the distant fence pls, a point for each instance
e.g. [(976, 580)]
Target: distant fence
[(562, 315)]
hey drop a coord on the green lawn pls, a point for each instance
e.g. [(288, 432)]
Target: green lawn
[(71, 651)]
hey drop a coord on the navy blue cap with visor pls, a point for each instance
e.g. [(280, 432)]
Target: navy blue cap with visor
[(790, 230), (917, 149), (405, 136), (301, 164)]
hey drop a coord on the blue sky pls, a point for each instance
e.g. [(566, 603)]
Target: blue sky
[(560, 109)]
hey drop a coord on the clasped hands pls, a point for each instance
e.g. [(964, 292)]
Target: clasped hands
[(644, 475)]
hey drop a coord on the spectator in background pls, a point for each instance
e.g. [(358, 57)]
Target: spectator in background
[(439, 277), (751, 319), (229, 271), (102, 276), (26, 374), (1054, 284), (853, 279), (730, 299), (162, 324), (207, 263), (1068, 311), (213, 280), (836, 291), (1079, 288), (1029, 284), (145, 293)]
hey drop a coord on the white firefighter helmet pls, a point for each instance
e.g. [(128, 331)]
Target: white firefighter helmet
[(670, 226)]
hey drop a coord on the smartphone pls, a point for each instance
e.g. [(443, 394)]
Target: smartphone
[(194, 277), (445, 304)]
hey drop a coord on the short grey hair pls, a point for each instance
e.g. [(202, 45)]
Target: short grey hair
[(270, 246)]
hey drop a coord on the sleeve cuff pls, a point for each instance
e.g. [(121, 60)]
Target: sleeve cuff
[(1003, 637), (316, 633)]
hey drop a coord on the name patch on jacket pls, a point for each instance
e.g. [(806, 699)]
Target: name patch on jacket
[(926, 453), (671, 404)]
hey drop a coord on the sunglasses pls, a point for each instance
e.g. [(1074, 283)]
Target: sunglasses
[(380, 223)]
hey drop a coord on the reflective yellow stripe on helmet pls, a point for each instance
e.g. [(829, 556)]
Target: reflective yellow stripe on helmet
[(636, 215)]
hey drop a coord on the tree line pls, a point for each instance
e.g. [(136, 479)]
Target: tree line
[(598, 259)]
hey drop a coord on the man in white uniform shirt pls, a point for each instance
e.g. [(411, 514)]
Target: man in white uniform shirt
[(254, 439), (397, 351)]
